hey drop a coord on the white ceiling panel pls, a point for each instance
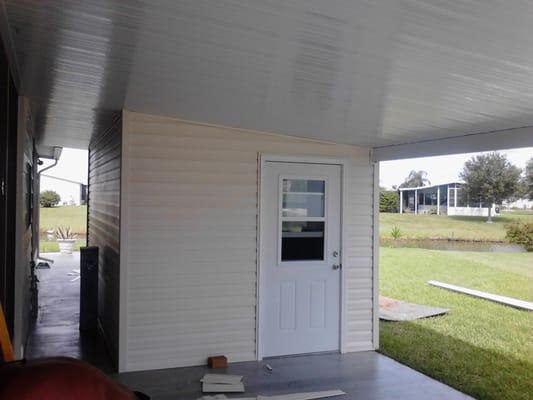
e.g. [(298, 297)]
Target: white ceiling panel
[(371, 73)]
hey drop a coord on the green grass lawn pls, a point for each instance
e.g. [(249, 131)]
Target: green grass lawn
[(51, 218), (73, 216), (444, 227), (481, 348)]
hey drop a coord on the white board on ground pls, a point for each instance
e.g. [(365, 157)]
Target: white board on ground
[(221, 378), (304, 396), (223, 387), (293, 396), (508, 301)]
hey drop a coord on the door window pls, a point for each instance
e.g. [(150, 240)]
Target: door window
[(303, 219)]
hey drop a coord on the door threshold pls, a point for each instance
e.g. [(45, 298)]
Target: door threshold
[(316, 353)]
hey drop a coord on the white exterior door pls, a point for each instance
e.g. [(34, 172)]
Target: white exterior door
[(300, 258)]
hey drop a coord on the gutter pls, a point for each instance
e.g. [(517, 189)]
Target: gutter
[(56, 155)]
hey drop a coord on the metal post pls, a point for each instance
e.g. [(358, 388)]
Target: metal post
[(416, 201), (401, 201), (438, 200)]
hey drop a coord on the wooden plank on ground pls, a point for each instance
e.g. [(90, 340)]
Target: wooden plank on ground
[(508, 301)]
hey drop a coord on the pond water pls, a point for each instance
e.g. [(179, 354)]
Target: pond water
[(454, 245)]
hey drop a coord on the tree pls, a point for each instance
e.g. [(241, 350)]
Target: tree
[(389, 201), (528, 179), (49, 198), (416, 179), (491, 178)]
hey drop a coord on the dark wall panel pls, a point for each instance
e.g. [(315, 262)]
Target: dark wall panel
[(103, 225), (8, 170)]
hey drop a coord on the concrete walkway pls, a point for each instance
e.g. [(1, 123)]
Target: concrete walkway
[(55, 332)]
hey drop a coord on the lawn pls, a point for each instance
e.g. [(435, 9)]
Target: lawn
[(444, 227), (51, 218), (73, 216), (481, 348)]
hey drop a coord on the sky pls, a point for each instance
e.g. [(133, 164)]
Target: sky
[(440, 169), (73, 165)]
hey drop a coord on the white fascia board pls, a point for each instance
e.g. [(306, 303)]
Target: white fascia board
[(487, 141)]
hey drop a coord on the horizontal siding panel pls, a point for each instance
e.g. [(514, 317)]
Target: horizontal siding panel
[(170, 317), (191, 327), (191, 197), (193, 281), (193, 189), (173, 214), (183, 359), (196, 166), (245, 258), (104, 226)]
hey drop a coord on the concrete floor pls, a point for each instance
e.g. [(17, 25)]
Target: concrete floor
[(56, 330), (367, 375)]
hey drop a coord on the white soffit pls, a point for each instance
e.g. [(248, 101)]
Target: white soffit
[(366, 72)]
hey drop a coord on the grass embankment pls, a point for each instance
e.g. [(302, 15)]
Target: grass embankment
[(481, 348), (444, 227), (52, 218)]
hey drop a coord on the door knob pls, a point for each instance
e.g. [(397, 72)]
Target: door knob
[(337, 266)]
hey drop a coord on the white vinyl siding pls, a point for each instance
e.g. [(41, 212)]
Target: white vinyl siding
[(189, 240)]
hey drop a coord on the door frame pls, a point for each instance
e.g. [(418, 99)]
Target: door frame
[(343, 163)]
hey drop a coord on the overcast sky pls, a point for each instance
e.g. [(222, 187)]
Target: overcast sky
[(73, 165), (440, 169)]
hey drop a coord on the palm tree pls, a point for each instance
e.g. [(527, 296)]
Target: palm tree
[(416, 179)]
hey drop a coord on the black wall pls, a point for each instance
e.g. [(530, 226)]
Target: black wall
[(8, 173)]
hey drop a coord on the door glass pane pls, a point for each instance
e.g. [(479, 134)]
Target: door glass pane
[(302, 240), (303, 198)]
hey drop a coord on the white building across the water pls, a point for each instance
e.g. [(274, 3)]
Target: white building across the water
[(446, 199)]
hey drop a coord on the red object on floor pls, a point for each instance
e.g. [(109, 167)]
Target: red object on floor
[(58, 378)]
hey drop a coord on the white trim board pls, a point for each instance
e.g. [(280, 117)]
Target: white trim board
[(293, 396), (483, 141), (507, 301)]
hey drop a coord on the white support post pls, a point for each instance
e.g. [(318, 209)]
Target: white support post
[(455, 197), (416, 201), (438, 200), (401, 201)]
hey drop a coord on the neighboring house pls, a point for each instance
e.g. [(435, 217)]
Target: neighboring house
[(445, 199), (72, 193)]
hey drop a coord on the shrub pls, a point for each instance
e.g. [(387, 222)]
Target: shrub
[(49, 198), (395, 233), (66, 233), (389, 201), (521, 233)]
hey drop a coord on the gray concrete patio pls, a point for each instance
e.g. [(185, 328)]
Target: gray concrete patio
[(365, 376), (56, 330)]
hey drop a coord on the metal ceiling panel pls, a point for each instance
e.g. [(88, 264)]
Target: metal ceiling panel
[(370, 73)]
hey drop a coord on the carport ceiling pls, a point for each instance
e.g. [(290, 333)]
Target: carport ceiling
[(369, 73)]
